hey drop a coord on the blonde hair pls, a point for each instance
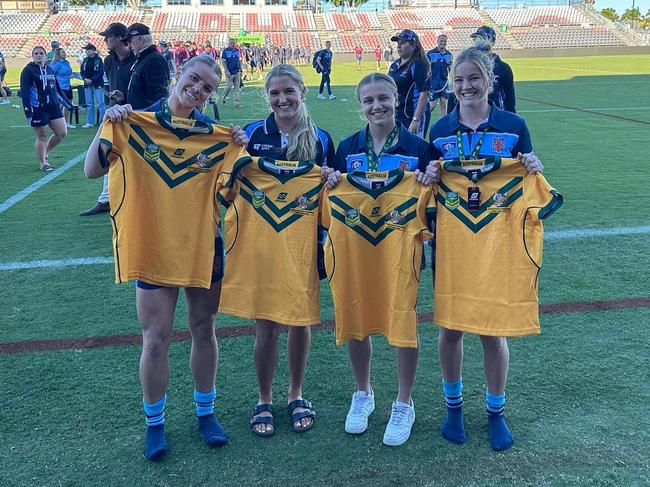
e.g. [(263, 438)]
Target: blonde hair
[(303, 137), (377, 78), (207, 60), (480, 58)]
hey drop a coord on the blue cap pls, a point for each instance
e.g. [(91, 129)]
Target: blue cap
[(486, 32), (405, 35)]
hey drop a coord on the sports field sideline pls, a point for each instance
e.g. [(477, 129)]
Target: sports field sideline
[(70, 403)]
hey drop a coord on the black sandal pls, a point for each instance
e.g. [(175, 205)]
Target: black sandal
[(296, 417), (260, 408)]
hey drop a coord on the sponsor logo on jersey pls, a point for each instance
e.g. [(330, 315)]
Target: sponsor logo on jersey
[(395, 221), (258, 199), (497, 144), (404, 165), (374, 213), (500, 201), (377, 175), (262, 146), (356, 164), (352, 217), (178, 153), (472, 163), (302, 205), (151, 152), (291, 164), (281, 196), (452, 200), (448, 147), (201, 163)]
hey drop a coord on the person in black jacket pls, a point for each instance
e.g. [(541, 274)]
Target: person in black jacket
[(92, 73), (42, 99), (150, 72), (117, 66)]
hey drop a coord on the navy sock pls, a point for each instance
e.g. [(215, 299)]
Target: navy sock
[(213, 433), (453, 428), (156, 443), (500, 435)]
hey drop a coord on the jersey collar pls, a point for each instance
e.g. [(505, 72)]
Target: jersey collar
[(357, 178), (284, 171)]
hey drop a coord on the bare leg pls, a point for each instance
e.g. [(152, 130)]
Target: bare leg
[(41, 143), (360, 352), (407, 364), (496, 358), (60, 130), (298, 344), (266, 359), (443, 106), (450, 351)]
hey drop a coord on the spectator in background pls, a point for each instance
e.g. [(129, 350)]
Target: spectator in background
[(63, 72), (193, 49), (232, 67), (117, 66), (378, 57), (3, 92), (181, 56), (150, 73), (358, 54), (388, 55), (41, 99), (288, 54), (209, 50), (441, 60), (168, 55), (324, 63), (92, 74), (54, 46), (296, 55), (308, 55)]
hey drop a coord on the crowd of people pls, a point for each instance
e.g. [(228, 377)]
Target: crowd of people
[(168, 86)]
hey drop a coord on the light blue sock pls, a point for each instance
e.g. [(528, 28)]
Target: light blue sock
[(204, 402), (495, 403), (500, 435), (453, 393), (155, 412)]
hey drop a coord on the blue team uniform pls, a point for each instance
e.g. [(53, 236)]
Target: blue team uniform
[(409, 153), (41, 95), (440, 65), (230, 57), (411, 80)]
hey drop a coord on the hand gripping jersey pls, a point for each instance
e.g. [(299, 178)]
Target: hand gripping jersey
[(271, 242), (377, 222), (163, 185), (488, 259)]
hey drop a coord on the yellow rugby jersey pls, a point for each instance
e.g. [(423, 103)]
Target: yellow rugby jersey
[(162, 190), (488, 260), (377, 223), (271, 242)]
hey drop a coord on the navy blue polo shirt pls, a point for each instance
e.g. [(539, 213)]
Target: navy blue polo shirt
[(411, 80), (409, 153), (506, 134), (326, 59), (230, 57), (195, 115), (265, 139)]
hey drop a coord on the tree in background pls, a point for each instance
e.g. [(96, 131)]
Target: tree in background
[(609, 13), (631, 14)]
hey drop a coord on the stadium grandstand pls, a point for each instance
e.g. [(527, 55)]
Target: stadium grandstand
[(370, 25)]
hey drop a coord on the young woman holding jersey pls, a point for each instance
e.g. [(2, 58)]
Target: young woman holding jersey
[(382, 145), (288, 134), (155, 303), (471, 78)]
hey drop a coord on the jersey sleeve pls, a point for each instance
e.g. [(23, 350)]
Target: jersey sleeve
[(427, 211), (111, 142), (421, 77), (542, 200)]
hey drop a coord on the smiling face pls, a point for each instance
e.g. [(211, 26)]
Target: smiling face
[(196, 84), (442, 43), (285, 97), (378, 103), (471, 85)]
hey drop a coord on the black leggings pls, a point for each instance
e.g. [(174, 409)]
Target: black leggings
[(325, 80)]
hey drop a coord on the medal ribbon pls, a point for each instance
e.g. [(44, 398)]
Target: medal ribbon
[(373, 159), (477, 147)]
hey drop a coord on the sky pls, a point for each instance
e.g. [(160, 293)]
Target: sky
[(622, 5)]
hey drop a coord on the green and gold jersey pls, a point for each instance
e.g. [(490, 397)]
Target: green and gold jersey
[(163, 174), (489, 239), (377, 222), (271, 240)]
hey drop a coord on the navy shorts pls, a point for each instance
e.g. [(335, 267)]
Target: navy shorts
[(67, 93), (217, 267), (434, 95), (43, 115)]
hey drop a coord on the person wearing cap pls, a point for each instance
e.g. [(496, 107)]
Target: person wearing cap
[(92, 74), (411, 75), (117, 66), (50, 55), (150, 72), (440, 59), (167, 53), (503, 91), (230, 57)]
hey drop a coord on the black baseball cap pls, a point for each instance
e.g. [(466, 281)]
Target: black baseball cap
[(90, 46), (163, 43), (117, 29), (486, 32), (136, 29), (405, 35)]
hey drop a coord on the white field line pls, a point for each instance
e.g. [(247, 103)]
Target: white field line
[(11, 201), (548, 236), (551, 110), (577, 70)]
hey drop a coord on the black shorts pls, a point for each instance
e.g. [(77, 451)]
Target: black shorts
[(67, 93), (43, 115)]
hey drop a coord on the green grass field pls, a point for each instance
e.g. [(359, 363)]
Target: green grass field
[(577, 394)]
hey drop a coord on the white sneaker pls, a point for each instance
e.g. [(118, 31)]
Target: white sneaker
[(5, 102), (331, 97), (399, 425), (363, 404), (87, 126), (320, 96), (70, 126)]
